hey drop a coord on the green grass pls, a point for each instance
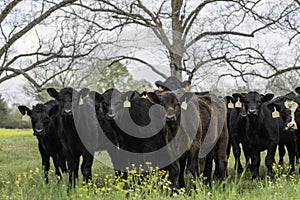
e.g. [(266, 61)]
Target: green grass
[(21, 177), (8, 133)]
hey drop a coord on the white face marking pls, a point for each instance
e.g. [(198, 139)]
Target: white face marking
[(292, 106)]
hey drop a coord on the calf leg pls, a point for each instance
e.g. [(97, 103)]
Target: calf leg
[(174, 170), (62, 163), (281, 154), (56, 162), (221, 154), (237, 153), (73, 164), (193, 160), (292, 154), (255, 162), (245, 147), (208, 167), (270, 159), (86, 166), (182, 163), (45, 162)]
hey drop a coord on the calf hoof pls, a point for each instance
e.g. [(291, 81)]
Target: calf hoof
[(240, 170), (255, 177), (271, 176)]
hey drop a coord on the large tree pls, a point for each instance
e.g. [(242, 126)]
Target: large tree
[(222, 37), (40, 39), (210, 27)]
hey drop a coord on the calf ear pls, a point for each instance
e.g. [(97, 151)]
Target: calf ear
[(134, 95), (228, 99), (187, 96), (153, 97), (143, 94), (84, 92), (24, 110), (53, 110), (97, 96), (297, 89), (240, 96), (53, 93), (267, 97), (277, 105)]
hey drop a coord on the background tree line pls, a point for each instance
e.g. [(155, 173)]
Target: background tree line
[(11, 117), (217, 44)]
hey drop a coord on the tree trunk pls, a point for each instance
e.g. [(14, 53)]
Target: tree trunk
[(176, 50), (175, 65)]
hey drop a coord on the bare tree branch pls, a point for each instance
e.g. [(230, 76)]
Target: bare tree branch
[(36, 21), (120, 58), (8, 9)]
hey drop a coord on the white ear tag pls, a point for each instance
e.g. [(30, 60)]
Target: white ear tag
[(25, 117), (230, 105), (187, 88), (126, 103), (275, 114), (184, 104), (160, 88), (238, 104), (80, 100)]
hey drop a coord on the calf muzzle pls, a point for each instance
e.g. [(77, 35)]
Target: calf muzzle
[(39, 132), (252, 112), (170, 118), (110, 116), (67, 112)]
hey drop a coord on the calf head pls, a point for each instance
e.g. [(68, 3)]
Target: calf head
[(108, 103), (229, 102), (66, 97), (239, 99), (288, 105), (40, 117), (170, 102), (253, 101)]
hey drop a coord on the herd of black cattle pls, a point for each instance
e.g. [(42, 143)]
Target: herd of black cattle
[(255, 121)]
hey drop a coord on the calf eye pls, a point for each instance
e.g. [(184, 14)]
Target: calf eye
[(46, 119)]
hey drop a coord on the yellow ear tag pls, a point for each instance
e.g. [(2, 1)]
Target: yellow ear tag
[(238, 104), (144, 96), (126, 103), (160, 88), (25, 117), (187, 88), (184, 104), (80, 100), (230, 105), (275, 114)]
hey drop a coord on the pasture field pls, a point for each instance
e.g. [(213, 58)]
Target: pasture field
[(21, 177)]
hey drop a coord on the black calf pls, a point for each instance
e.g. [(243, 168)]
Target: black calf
[(45, 124)]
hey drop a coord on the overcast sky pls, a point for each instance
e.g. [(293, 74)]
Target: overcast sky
[(147, 47)]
